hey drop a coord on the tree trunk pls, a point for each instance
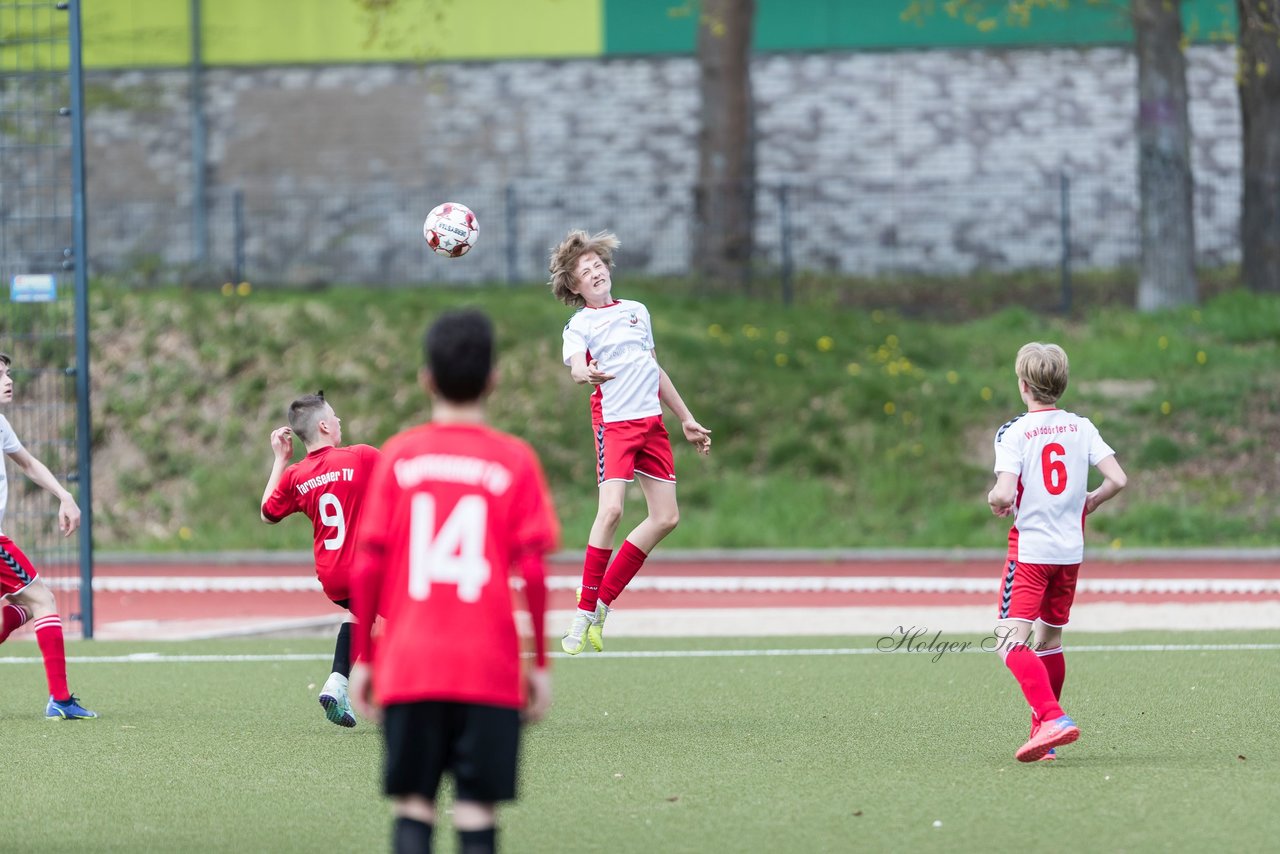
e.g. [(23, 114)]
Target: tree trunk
[(724, 197), (1259, 80), (1167, 278)]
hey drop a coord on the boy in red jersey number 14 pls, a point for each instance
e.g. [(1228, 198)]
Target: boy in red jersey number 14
[(1042, 469), (608, 344), (328, 485), (455, 509)]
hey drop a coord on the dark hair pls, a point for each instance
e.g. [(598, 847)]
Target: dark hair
[(458, 349), (4, 357), (305, 414)]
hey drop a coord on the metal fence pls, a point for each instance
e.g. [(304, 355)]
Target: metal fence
[(843, 226)]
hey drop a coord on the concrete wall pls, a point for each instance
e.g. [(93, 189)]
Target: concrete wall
[(924, 161)]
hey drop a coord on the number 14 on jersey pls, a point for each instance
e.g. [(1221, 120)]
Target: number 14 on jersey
[(453, 552)]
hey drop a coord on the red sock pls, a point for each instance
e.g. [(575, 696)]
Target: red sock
[(11, 619), (1055, 664), (593, 567), (49, 637), (624, 568), (1034, 681)]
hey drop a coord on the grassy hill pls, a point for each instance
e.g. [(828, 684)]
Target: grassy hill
[(833, 426)]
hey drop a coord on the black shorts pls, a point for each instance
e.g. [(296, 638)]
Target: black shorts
[(478, 745), (342, 603)]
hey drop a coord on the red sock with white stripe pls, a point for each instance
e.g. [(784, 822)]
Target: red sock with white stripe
[(12, 618), (49, 637), (593, 566), (621, 571), (1055, 664), (1034, 681)]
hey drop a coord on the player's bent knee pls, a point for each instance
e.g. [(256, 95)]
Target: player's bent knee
[(609, 514), (38, 599), (415, 807)]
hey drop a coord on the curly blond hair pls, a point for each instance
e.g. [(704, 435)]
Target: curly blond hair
[(564, 258)]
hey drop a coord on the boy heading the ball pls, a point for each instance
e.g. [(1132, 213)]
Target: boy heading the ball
[(455, 509), (328, 486), (23, 595), (1042, 470), (608, 344)]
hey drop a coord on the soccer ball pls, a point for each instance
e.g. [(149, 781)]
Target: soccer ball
[(451, 229)]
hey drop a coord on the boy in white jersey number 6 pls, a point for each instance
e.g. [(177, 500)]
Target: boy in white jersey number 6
[(1042, 469), (608, 344)]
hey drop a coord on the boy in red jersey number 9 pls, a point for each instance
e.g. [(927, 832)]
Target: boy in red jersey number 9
[(327, 485), (455, 508), (608, 344), (1042, 468)]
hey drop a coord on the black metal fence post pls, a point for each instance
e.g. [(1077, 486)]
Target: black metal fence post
[(513, 236), (1064, 223), (237, 232), (784, 240)]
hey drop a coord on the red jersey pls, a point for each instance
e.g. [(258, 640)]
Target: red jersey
[(451, 510), (328, 485)]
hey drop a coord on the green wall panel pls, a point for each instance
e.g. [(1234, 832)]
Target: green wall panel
[(668, 26)]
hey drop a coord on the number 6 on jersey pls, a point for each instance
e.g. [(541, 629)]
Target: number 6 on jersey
[(450, 554)]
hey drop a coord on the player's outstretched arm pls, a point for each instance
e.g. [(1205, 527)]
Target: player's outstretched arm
[(584, 372), (698, 436), (1001, 496), (282, 452), (68, 510), (1113, 480)]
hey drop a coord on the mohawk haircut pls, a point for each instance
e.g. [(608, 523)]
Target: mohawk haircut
[(564, 258)]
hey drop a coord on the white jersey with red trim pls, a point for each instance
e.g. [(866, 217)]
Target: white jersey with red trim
[(620, 337), (1050, 450), (9, 444)]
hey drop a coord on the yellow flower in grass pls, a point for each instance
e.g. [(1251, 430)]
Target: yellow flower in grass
[(751, 332), (953, 377), (781, 337), (184, 533), (987, 393), (715, 330), (1166, 407), (825, 344), (780, 360), (908, 417), (877, 316), (228, 289), (1201, 357), (1163, 342), (244, 289), (891, 341), (890, 408), (853, 369)]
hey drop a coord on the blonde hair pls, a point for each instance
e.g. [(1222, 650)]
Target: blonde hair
[(564, 258), (1044, 368)]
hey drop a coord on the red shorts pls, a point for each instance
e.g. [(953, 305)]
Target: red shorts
[(16, 571), (1038, 591), (627, 448)]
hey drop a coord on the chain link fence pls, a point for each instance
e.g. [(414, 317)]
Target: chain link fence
[(840, 226)]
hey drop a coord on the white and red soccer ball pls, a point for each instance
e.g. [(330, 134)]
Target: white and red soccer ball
[(451, 229)]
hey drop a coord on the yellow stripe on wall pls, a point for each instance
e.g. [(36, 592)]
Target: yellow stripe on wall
[(132, 33)]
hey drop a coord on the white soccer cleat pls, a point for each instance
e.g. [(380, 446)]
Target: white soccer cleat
[(595, 631), (575, 640), (337, 706)]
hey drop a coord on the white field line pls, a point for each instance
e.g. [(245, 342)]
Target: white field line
[(972, 647), (707, 584)]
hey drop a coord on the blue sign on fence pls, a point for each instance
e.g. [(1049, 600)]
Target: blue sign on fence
[(34, 288)]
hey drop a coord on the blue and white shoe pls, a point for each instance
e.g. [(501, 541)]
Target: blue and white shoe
[(71, 710)]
